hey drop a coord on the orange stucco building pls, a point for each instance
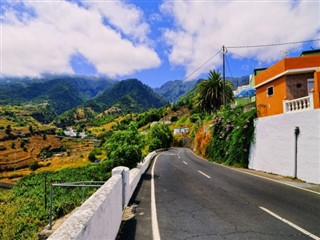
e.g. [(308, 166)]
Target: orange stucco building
[(292, 84)]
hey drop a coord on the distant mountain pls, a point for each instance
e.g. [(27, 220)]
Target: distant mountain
[(57, 93), (173, 90), (238, 81), (126, 96)]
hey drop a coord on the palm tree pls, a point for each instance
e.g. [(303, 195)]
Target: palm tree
[(209, 93)]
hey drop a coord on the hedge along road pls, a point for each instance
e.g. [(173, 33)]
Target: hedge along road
[(189, 198)]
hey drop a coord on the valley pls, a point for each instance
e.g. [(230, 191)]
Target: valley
[(116, 126)]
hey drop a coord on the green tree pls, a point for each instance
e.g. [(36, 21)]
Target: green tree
[(92, 156), (8, 130), (159, 136), (31, 129), (209, 93), (125, 147), (34, 166)]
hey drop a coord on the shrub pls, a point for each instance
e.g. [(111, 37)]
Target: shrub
[(182, 121), (8, 130), (159, 136), (174, 118), (194, 118), (233, 132), (15, 175), (34, 166), (92, 156), (125, 147)]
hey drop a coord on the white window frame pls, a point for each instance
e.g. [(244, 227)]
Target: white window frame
[(272, 91)]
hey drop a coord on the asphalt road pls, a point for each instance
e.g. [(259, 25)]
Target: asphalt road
[(196, 199)]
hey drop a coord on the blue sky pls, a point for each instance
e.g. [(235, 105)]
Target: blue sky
[(154, 41)]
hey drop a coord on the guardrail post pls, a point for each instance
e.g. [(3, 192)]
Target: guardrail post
[(124, 171), (50, 217)]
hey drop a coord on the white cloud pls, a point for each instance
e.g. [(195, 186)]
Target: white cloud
[(45, 43), (202, 27), (124, 16)]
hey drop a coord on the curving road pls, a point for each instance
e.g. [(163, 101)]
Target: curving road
[(189, 198)]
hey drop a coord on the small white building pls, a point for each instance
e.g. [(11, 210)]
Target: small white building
[(180, 130), (70, 132)]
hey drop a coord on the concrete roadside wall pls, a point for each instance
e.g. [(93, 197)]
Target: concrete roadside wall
[(274, 147), (100, 216)]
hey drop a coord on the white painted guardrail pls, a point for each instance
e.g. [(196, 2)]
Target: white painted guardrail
[(100, 216)]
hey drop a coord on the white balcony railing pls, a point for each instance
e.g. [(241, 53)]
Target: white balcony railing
[(299, 104)]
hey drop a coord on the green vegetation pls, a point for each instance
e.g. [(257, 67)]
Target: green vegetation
[(129, 95), (93, 154), (173, 90), (159, 136), (209, 93), (34, 166), (8, 130), (52, 95), (2, 148), (232, 135), (48, 151), (125, 147), (24, 221)]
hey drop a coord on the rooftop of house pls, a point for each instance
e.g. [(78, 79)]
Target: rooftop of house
[(310, 52), (294, 65)]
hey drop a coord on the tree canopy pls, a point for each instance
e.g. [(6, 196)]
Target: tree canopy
[(159, 136), (209, 93), (124, 148)]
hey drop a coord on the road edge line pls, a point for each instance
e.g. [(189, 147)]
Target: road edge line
[(256, 175), (290, 223), (154, 219)]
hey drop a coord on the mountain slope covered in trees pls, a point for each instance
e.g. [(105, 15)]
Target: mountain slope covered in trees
[(173, 90), (126, 96), (53, 95)]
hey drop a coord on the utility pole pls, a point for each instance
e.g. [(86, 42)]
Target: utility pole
[(224, 75), (296, 134)]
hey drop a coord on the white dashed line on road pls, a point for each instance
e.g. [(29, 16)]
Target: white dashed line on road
[(290, 224), (185, 162), (204, 174)]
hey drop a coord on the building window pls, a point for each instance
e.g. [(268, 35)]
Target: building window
[(270, 91), (310, 84)]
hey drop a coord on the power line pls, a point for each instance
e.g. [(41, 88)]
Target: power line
[(274, 44), (249, 59), (228, 66), (202, 65), (248, 46)]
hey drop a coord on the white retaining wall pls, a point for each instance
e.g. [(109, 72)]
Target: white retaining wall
[(274, 147), (100, 216)]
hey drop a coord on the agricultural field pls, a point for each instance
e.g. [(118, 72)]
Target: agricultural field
[(51, 154), (27, 146)]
